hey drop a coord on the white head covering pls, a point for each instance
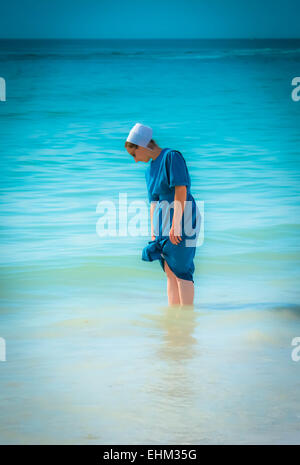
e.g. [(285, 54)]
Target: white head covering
[(140, 135)]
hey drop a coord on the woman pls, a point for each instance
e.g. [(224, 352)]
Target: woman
[(175, 217)]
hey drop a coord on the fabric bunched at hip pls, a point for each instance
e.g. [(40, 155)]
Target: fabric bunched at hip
[(178, 256)]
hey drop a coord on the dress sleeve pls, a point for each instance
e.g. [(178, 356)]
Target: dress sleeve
[(177, 171)]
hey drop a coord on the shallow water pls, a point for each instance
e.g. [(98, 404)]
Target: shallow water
[(149, 374), (94, 355)]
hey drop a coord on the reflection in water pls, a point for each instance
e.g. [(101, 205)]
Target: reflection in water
[(170, 386), (178, 325)]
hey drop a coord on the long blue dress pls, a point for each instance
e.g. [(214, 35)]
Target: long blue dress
[(162, 175)]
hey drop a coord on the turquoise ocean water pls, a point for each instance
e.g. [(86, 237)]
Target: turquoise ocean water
[(93, 353)]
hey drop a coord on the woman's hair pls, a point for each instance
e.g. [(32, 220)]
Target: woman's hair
[(152, 144)]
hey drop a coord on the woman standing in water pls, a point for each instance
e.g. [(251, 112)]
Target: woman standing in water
[(175, 217)]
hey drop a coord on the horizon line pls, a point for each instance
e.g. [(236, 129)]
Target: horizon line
[(149, 38)]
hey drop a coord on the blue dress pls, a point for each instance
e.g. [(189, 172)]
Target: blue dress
[(162, 175)]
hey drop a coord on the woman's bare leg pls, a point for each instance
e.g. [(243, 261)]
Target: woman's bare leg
[(186, 291), (172, 286)]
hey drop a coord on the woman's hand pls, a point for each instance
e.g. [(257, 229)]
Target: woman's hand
[(174, 239), (153, 237)]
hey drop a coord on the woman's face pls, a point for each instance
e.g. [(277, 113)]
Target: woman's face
[(139, 154)]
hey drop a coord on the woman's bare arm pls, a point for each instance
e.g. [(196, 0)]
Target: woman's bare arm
[(152, 208), (179, 199)]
